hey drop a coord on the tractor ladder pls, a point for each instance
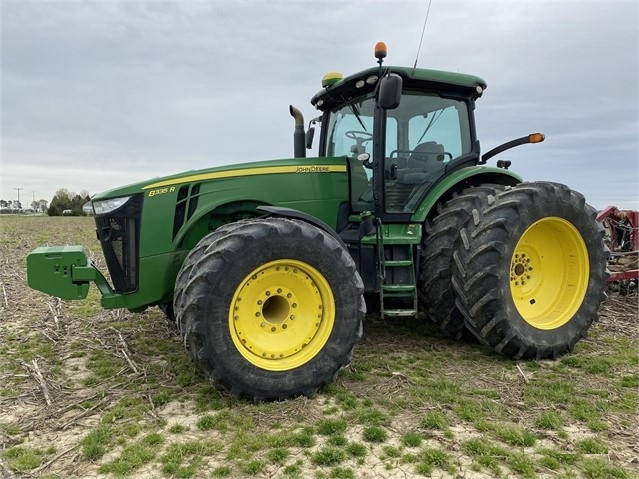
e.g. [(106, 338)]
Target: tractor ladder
[(397, 246)]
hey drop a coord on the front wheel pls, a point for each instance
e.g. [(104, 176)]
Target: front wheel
[(531, 272), (272, 308)]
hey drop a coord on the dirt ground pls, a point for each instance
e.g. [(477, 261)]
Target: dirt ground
[(45, 399)]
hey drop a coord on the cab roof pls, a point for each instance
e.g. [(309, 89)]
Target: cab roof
[(421, 79)]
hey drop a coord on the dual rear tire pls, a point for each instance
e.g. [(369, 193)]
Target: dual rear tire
[(526, 268)]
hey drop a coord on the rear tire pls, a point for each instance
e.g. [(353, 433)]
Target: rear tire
[(531, 275), (441, 239), (271, 308)]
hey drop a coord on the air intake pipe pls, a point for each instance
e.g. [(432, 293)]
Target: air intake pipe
[(299, 137)]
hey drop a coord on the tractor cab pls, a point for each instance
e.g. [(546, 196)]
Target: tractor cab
[(401, 130)]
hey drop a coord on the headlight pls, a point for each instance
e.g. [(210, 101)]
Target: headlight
[(101, 207)]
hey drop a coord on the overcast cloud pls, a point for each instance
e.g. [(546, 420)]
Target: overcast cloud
[(100, 94)]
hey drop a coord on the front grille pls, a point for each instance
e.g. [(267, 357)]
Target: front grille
[(119, 234)]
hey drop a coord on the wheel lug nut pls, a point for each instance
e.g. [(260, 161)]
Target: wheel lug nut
[(263, 324), (273, 329)]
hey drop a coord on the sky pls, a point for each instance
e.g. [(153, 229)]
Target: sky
[(99, 94)]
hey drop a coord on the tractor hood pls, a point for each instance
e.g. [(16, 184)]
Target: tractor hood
[(160, 185)]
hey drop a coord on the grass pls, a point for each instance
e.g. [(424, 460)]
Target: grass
[(133, 456), (412, 403), (23, 459), (435, 420), (549, 420), (328, 456), (411, 439), (375, 434), (331, 427)]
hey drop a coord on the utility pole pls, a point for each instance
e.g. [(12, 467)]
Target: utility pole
[(19, 195)]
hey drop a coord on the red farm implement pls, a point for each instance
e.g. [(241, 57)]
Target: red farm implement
[(622, 231)]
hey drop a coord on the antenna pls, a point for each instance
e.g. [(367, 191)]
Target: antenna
[(422, 37)]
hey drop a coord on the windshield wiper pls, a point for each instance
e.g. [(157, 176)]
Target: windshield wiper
[(355, 111), (432, 120)]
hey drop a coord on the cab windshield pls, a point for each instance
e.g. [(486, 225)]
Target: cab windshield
[(423, 135)]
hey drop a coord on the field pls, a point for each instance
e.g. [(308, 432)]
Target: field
[(86, 392)]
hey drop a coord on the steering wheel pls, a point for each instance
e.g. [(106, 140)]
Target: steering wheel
[(359, 136)]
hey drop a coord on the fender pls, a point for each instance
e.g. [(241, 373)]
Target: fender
[(468, 176), (282, 212)]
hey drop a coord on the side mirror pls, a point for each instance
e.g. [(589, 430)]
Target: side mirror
[(310, 134), (390, 92)]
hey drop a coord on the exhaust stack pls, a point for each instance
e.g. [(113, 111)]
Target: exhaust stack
[(299, 137)]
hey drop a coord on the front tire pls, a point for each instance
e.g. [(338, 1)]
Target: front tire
[(531, 275), (271, 308)]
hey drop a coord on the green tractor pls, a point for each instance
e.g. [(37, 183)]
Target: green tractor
[(265, 266)]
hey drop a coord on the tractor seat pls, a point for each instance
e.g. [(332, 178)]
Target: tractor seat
[(424, 159)]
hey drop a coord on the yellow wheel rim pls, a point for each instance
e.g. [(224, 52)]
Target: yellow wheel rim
[(282, 315), (549, 273)]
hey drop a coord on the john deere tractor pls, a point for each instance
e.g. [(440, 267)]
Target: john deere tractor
[(264, 266)]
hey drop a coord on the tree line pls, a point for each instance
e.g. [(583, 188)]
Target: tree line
[(67, 203), (64, 202)]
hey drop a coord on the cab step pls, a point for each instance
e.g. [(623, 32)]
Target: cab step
[(398, 285), (399, 288), (400, 312)]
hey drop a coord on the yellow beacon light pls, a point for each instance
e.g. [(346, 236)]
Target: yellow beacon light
[(331, 78), (380, 52)]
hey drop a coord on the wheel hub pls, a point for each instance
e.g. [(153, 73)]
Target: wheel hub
[(520, 269), (282, 315), (549, 273)]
